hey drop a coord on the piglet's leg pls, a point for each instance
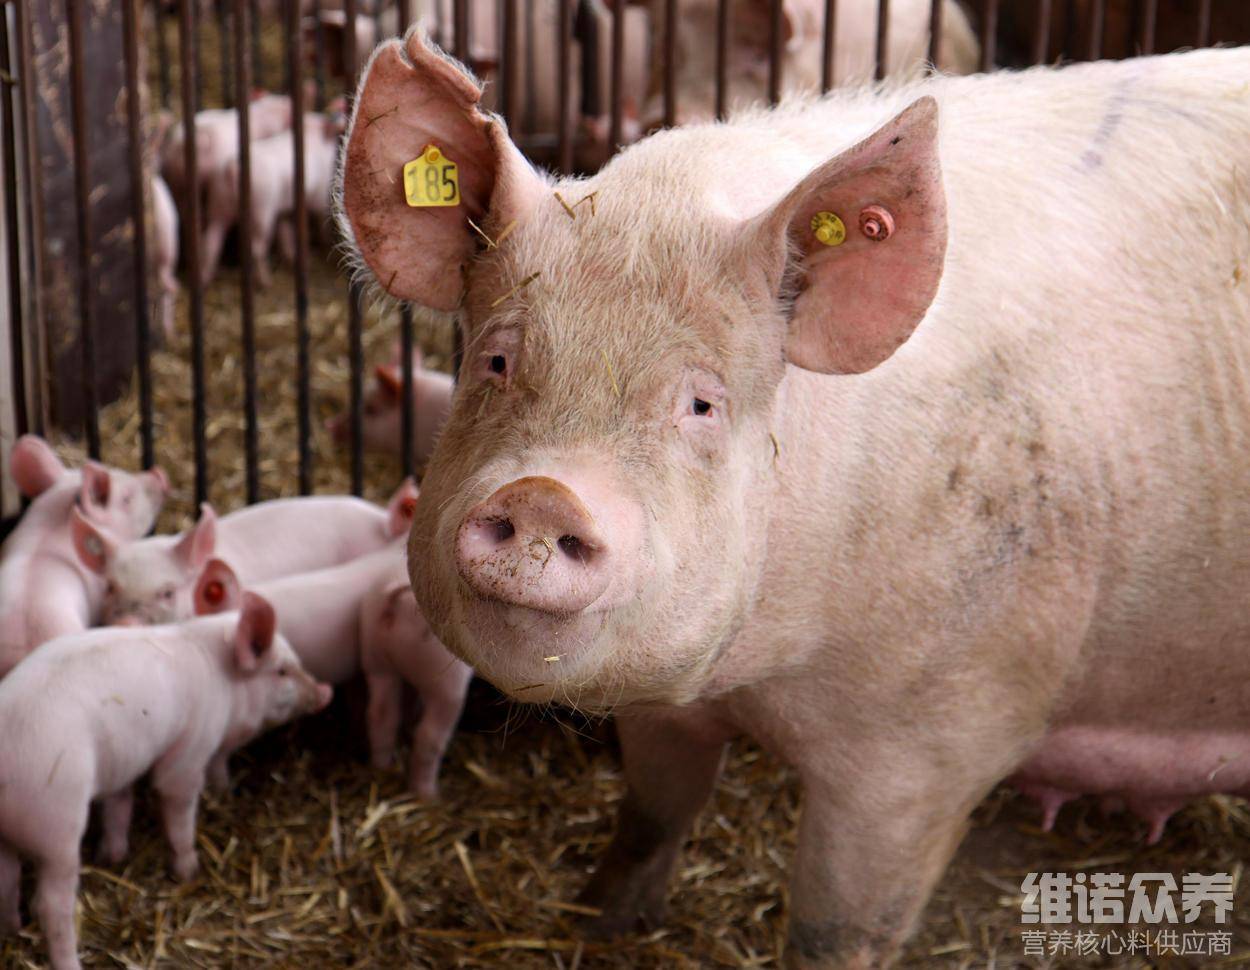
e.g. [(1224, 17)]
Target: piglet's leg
[(219, 772), (54, 902), (442, 701), (385, 701), (115, 812), (672, 761), (10, 891), (178, 807)]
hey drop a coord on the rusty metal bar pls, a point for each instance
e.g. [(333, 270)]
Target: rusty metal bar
[(775, 21), (131, 13), (509, 75), (722, 58), (82, 203), (618, 76), (564, 54), (258, 65), (243, 10), (935, 32), (191, 239), (670, 61), (1097, 22), (1041, 33), (1150, 17), (17, 343), (355, 310), (162, 52), (828, 43), (1204, 24), (460, 25), (989, 35), (223, 53), (460, 42), (883, 36), (407, 459), (319, 55), (33, 180)]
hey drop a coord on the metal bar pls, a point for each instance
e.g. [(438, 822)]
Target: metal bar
[(258, 64), (829, 42), (989, 35), (295, 74), (509, 76), (564, 54), (670, 63), (722, 57), (223, 54), (131, 12), (775, 21), (162, 52), (618, 76), (883, 36), (319, 56), (1041, 33), (460, 37), (32, 173), (355, 313), (243, 228), (1150, 16), (82, 203), (1204, 23), (935, 32), (17, 342), (407, 460), (187, 33), (1097, 21)]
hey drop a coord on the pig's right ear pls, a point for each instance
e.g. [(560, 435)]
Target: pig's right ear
[(859, 245), (196, 547), (95, 547), (401, 508), (413, 98), (34, 465), (97, 485), (254, 635), (390, 380), (217, 590)]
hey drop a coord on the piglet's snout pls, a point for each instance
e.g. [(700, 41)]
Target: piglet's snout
[(534, 544)]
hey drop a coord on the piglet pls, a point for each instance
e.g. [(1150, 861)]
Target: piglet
[(362, 613), (382, 424), (165, 223), (151, 581), (128, 700), (44, 590)]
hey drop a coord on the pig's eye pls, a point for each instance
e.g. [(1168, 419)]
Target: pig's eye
[(701, 407), (167, 593), (282, 671), (498, 364), (110, 589)]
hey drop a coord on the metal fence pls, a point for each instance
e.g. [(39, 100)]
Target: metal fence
[(237, 24)]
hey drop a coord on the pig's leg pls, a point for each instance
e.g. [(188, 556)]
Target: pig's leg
[(115, 812), (10, 891), (385, 703), (178, 806), (671, 761), (210, 247), (442, 702), (219, 772), (263, 222), (286, 240), (54, 902)]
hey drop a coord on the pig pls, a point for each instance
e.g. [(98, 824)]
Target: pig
[(362, 615), (166, 699), (273, 191), (152, 580), (44, 591), (892, 429), (383, 404), (165, 222), (803, 23)]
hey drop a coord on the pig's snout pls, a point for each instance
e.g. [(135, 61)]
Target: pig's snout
[(534, 544), (322, 694)]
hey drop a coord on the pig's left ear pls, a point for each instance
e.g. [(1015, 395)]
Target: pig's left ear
[(413, 98), (401, 508), (859, 244), (95, 547), (254, 635), (196, 546), (390, 380), (93, 497)]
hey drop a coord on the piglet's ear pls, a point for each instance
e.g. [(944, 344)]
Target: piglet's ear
[(390, 380), (196, 546), (217, 590), (401, 508), (254, 635), (863, 240), (95, 547), (96, 486), (34, 465), (412, 98)]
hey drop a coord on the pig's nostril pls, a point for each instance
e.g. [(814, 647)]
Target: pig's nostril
[(504, 530), (574, 548)]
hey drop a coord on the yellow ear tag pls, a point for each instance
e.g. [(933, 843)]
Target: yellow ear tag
[(431, 179), (828, 228)]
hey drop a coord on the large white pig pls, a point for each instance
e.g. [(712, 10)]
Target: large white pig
[(697, 445), (85, 715), (44, 590)]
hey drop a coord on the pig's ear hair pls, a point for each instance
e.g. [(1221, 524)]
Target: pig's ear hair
[(96, 485), (859, 246), (217, 590), (401, 508), (390, 379), (94, 546), (254, 635), (196, 546), (34, 465), (413, 96)]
